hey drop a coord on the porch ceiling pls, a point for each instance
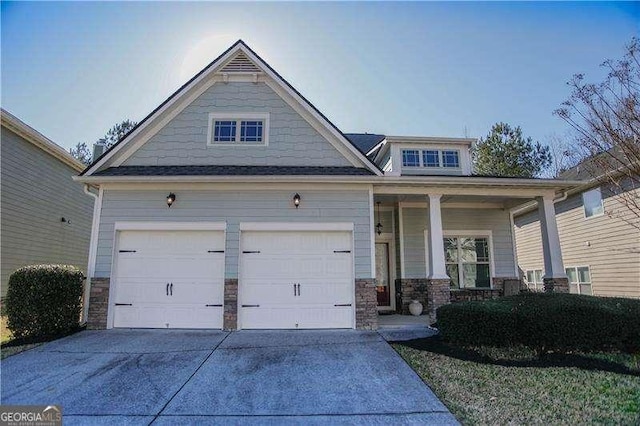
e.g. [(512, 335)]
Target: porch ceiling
[(487, 201)]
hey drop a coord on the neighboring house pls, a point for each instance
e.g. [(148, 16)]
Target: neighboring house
[(237, 204), (46, 217), (599, 236)]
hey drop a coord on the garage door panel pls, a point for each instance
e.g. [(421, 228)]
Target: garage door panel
[(319, 262), (149, 260)]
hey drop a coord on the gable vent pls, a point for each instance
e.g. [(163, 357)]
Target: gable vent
[(240, 64)]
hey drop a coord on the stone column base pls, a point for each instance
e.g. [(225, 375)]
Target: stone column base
[(230, 319), (366, 304), (438, 294), (556, 285), (98, 304), (411, 289)]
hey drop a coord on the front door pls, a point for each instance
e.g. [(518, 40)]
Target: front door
[(383, 276)]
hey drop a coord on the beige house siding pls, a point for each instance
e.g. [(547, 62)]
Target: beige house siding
[(37, 192), (608, 244)]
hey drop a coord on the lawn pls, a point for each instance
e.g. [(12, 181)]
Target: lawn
[(5, 340), (511, 386)]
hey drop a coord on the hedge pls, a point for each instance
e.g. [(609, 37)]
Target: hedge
[(545, 322), (44, 300)]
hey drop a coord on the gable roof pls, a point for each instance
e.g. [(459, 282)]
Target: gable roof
[(36, 138), (239, 52)]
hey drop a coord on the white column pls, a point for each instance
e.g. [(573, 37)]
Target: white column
[(436, 243), (553, 267)]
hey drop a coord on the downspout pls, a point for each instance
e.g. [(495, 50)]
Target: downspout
[(92, 249)]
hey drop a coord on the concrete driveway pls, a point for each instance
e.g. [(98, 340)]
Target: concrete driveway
[(196, 377)]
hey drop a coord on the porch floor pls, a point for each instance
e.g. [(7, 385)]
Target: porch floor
[(395, 328)]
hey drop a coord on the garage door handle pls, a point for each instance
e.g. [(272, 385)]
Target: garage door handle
[(213, 306), (342, 251), (298, 289), (126, 251), (215, 251), (167, 289), (171, 289), (250, 306), (124, 304), (342, 304), (250, 251)]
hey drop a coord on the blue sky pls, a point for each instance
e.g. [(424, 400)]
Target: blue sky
[(71, 70)]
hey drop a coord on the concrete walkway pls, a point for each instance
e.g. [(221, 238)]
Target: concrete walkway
[(397, 328), (213, 377)]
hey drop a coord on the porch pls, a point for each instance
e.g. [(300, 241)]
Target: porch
[(454, 243)]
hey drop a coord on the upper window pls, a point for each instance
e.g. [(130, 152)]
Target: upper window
[(592, 201), (450, 159), (411, 158), (240, 129), (467, 261), (431, 158)]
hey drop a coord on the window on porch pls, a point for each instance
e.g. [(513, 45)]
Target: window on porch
[(467, 261)]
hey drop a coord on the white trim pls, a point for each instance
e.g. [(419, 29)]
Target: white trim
[(207, 74), (31, 135), (264, 117), (401, 229), (170, 226), (296, 226), (93, 248), (514, 247), (448, 205), (430, 139), (372, 233)]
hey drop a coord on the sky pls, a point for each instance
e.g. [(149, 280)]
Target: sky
[(72, 70)]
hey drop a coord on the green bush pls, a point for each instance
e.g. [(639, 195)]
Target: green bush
[(44, 300), (545, 322)]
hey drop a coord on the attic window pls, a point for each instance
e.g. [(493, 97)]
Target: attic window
[(240, 64), (238, 129)]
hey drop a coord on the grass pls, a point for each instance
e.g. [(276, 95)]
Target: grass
[(8, 348), (511, 386)]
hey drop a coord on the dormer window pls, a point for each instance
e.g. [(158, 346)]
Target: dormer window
[(431, 158), (450, 159), (238, 129), (411, 158)]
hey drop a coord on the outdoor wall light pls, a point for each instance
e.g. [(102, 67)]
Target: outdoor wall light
[(296, 200), (379, 225), (171, 198)]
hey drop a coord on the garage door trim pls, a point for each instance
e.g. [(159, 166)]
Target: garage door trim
[(150, 226), (299, 227)]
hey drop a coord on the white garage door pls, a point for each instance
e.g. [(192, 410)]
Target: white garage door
[(296, 280), (169, 279)]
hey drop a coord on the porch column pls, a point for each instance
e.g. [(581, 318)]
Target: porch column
[(438, 281), (555, 278), (436, 243)]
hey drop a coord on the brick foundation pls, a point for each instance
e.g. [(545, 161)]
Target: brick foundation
[(366, 304), (438, 294), (230, 320), (409, 289), (508, 285), (98, 304), (556, 285)]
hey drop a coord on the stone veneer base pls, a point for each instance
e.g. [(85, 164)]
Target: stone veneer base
[(366, 304), (98, 304), (230, 319), (556, 285)]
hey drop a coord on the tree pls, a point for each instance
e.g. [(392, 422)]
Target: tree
[(506, 152), (606, 118), (83, 153)]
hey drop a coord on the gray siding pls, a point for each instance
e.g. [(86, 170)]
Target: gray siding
[(292, 141), (234, 207), (608, 244), (37, 191), (415, 222)]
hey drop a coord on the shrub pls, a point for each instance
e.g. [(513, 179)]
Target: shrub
[(545, 322), (44, 300)]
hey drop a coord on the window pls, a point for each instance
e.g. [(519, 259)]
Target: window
[(431, 158), (450, 159), (592, 201), (411, 158), (467, 261), (239, 128), (579, 280), (534, 280)]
